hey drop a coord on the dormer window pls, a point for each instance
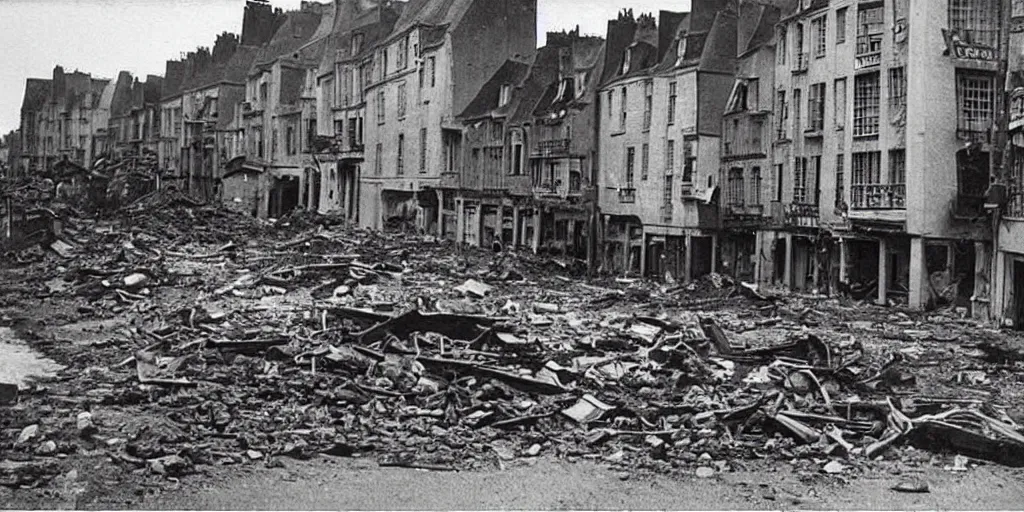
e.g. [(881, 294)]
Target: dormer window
[(357, 44), (680, 49), (625, 60), (581, 80), (505, 96)]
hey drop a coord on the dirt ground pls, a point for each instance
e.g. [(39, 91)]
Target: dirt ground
[(330, 484)]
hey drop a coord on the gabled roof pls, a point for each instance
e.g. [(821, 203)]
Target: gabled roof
[(719, 53), (485, 103), (297, 30), (174, 76), (36, 92), (437, 13), (756, 25)]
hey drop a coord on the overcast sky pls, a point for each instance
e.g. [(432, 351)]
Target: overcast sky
[(103, 37)]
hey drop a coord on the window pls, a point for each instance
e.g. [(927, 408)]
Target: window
[(816, 107), (976, 21), (630, 163), (611, 97), (897, 90), (865, 104), (783, 110), (780, 49), (779, 177), (866, 173), (517, 159), (799, 55), (820, 36), (666, 200), (839, 110), (380, 106), (689, 159), (645, 160), (622, 110), (975, 97), (403, 53), (423, 150), (400, 166), (357, 44), (670, 157), (870, 28), (401, 100), (648, 103), (800, 180), (290, 140), (433, 70), (755, 186), (841, 25), (756, 127), (840, 180), (897, 167), (672, 103), (497, 132), (734, 190), (378, 164), (505, 96), (797, 103), (383, 72)]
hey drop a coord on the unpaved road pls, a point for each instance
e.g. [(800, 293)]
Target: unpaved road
[(335, 484)]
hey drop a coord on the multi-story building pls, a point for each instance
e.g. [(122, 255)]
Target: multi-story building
[(748, 208), (662, 98), (341, 102), (279, 114), (491, 186), (60, 119), (1007, 285), (884, 197), (134, 126), (172, 134), (425, 72)]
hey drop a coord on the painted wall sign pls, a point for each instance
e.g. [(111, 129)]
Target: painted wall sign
[(962, 50)]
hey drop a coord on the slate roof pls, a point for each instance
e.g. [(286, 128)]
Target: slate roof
[(485, 103), (294, 33), (37, 90), (756, 25)]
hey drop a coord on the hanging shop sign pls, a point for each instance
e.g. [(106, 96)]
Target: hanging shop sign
[(963, 50)]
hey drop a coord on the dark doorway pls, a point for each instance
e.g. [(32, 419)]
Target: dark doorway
[(1018, 295), (655, 252), (779, 261), (285, 196), (702, 255), (964, 262)]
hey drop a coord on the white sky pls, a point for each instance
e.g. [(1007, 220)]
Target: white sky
[(103, 37)]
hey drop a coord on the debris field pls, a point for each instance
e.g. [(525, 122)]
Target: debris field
[(193, 337)]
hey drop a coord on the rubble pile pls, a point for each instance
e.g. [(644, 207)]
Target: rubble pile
[(238, 341)]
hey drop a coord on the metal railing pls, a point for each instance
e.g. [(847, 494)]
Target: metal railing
[(627, 195), (879, 197), (801, 61), (554, 147)]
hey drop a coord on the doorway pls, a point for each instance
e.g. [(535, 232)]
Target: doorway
[(1018, 295)]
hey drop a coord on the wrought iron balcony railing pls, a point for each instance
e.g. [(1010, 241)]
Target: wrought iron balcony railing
[(879, 197)]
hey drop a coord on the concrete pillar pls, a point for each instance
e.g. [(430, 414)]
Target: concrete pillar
[(460, 221), (813, 260), (570, 237), (998, 290), (918, 274), (643, 255), (515, 227), (440, 214), (688, 263), (758, 238), (627, 247), (787, 276), (844, 255), (604, 237), (883, 272)]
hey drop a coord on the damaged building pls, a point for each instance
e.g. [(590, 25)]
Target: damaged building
[(665, 86)]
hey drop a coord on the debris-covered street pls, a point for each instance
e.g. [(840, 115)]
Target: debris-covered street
[(200, 348)]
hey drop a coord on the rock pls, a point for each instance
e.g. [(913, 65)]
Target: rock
[(84, 424), (171, 465), (704, 457), (47, 448), (135, 280), (705, 472), (27, 434), (834, 467), (254, 454), (624, 476), (912, 486), (534, 450)]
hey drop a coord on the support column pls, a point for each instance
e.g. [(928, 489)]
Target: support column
[(787, 275), (998, 289), (627, 245), (918, 274), (844, 255), (643, 254), (515, 227), (570, 237), (604, 246), (981, 300), (688, 262), (883, 272), (460, 221), (440, 214), (813, 259), (758, 261)]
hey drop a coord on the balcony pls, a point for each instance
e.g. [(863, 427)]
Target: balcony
[(627, 195), (559, 188), (800, 62), (749, 216), (879, 197), (552, 148), (801, 215), (973, 134)]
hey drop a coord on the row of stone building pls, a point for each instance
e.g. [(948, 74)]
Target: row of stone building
[(866, 147)]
